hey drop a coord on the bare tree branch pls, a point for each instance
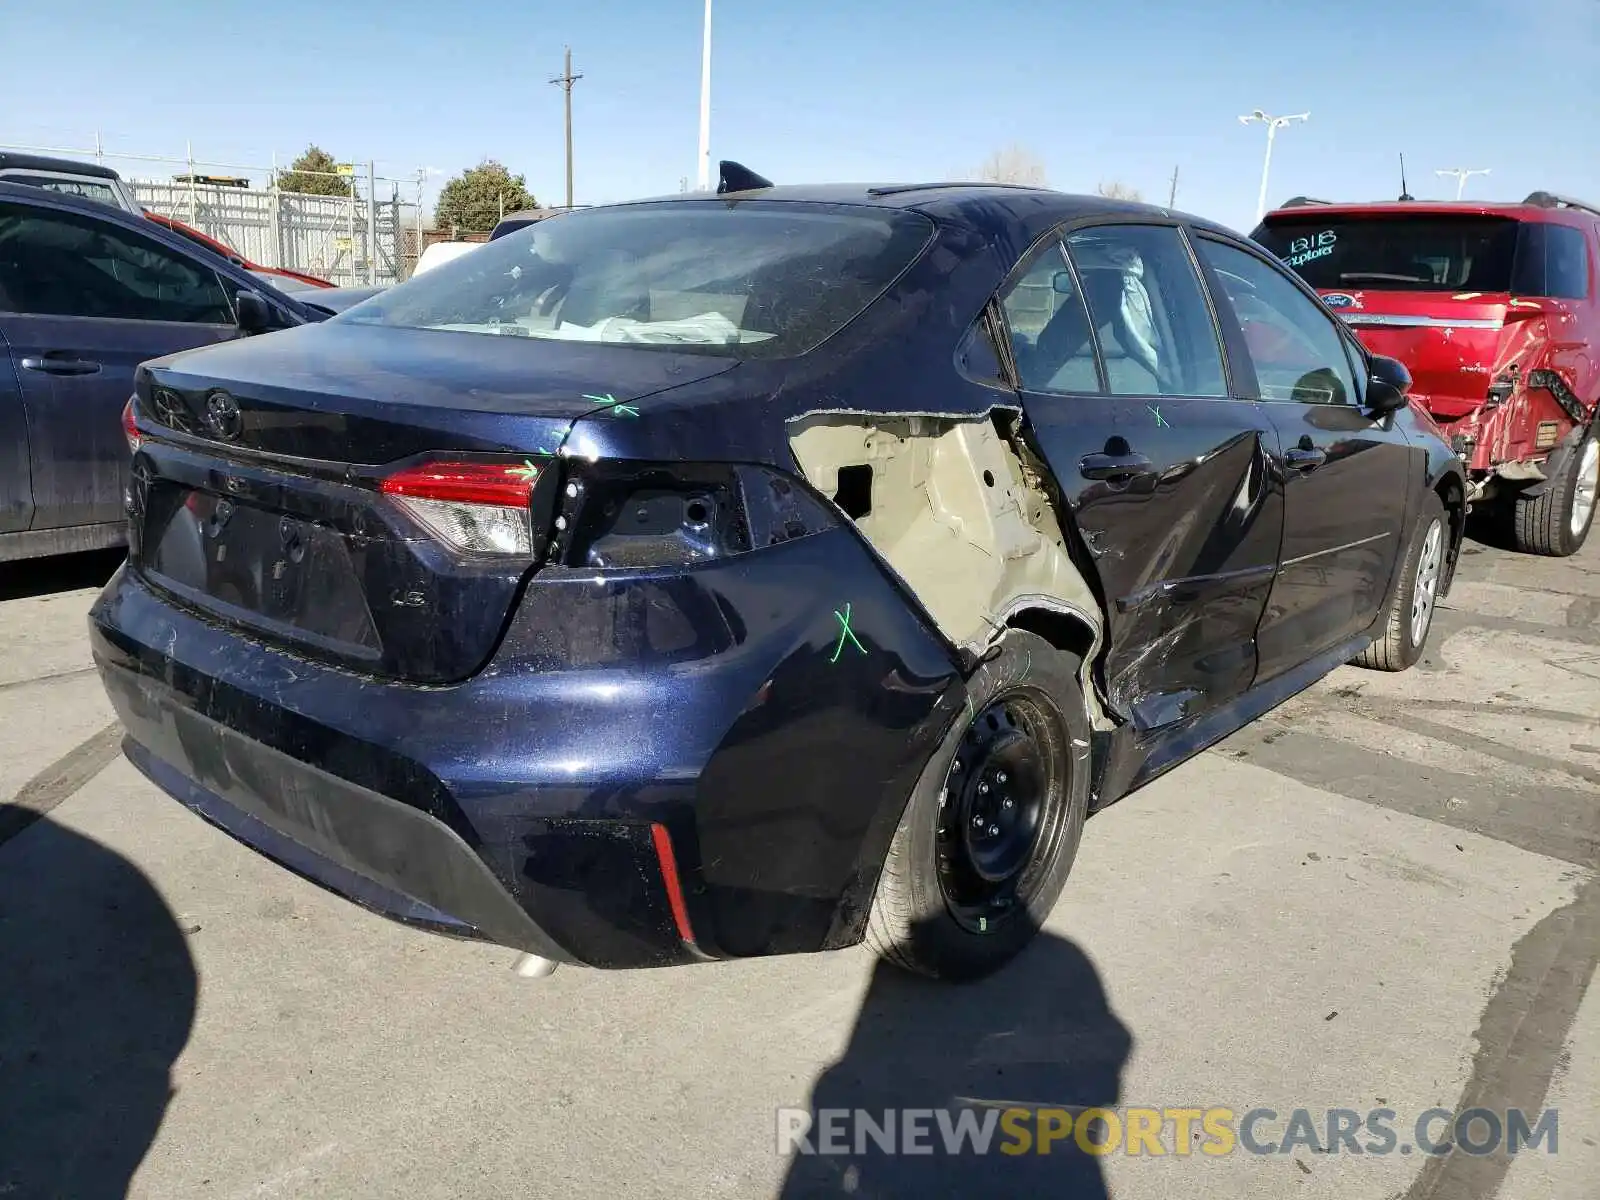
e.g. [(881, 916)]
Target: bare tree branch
[(1115, 189), (1014, 164)]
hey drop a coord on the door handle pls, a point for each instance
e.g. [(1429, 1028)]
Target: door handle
[(60, 364), (1300, 459), (1115, 466)]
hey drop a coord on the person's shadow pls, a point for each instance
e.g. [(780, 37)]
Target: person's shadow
[(97, 996), (1039, 1034)]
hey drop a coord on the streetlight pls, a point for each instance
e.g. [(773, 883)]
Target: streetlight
[(705, 106), (1273, 124), (1461, 175)]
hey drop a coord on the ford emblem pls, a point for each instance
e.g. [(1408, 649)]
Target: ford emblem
[(1341, 300)]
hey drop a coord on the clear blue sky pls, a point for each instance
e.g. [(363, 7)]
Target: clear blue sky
[(836, 90)]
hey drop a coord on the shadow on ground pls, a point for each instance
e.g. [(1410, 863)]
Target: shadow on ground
[(62, 573), (1492, 526), (97, 996), (1039, 1034)]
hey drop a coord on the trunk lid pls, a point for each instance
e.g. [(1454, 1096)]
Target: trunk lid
[(258, 497)]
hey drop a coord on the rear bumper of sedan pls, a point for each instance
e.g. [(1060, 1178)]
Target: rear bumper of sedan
[(591, 805)]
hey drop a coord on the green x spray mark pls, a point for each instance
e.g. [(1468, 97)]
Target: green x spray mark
[(611, 402), (846, 634), (526, 471), (1155, 411)]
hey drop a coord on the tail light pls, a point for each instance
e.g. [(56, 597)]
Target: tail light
[(625, 515), (477, 507), (130, 428)]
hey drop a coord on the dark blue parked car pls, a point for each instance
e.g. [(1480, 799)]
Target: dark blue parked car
[(755, 573), (87, 293)]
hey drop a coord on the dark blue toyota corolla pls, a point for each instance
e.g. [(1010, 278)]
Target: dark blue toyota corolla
[(760, 572)]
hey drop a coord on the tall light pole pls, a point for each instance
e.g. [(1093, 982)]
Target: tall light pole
[(1273, 124), (1461, 175), (704, 175)]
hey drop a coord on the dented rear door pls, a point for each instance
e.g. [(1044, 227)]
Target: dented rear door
[(1167, 478)]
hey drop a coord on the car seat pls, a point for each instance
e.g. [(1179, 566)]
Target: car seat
[(1131, 359), (1061, 359)]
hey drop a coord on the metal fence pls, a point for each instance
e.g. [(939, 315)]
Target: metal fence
[(348, 240), (352, 239)]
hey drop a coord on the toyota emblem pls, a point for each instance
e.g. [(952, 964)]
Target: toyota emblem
[(223, 418)]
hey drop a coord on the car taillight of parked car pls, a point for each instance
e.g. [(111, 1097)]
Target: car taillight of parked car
[(476, 507), (130, 428)]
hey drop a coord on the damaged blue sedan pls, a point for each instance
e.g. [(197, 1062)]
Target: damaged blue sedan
[(763, 571)]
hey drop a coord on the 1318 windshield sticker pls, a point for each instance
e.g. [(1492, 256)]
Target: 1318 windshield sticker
[(1304, 249)]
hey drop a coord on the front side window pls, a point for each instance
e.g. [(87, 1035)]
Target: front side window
[(748, 280), (1152, 325), (1050, 333), (1298, 353), (71, 265)]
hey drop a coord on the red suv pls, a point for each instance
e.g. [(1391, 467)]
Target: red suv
[(1495, 308)]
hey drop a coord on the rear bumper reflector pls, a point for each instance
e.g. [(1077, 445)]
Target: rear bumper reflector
[(669, 875)]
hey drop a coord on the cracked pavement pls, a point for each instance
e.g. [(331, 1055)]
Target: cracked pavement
[(1381, 893)]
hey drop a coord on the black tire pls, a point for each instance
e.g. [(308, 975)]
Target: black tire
[(946, 906), (1552, 523), (1400, 644)]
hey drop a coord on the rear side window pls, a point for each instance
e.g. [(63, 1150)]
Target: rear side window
[(1397, 253), (1552, 261), (71, 265), (1298, 353), (1151, 322), (751, 280), (67, 185)]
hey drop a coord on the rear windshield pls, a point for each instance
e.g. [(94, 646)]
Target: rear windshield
[(752, 280), (1400, 254)]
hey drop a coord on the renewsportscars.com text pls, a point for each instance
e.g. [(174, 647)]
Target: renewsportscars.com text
[(1162, 1131)]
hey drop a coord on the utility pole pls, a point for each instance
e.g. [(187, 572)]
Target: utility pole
[(1461, 175), (565, 81), (1172, 196), (1273, 124), (705, 105)]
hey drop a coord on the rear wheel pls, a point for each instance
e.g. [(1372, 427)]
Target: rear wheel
[(1410, 615), (988, 838), (1557, 521)]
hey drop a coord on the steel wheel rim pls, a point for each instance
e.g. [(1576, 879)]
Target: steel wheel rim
[(1583, 497), (1427, 587), (1001, 810)]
